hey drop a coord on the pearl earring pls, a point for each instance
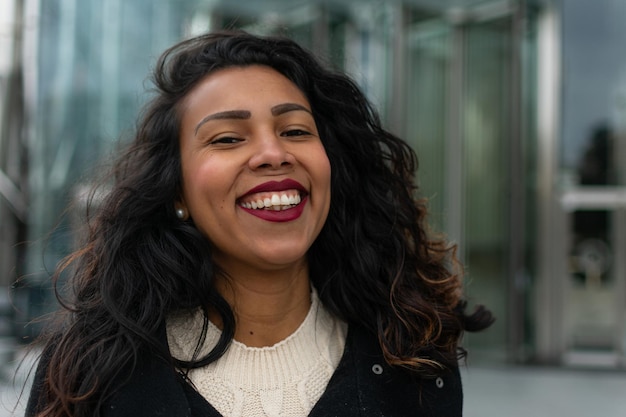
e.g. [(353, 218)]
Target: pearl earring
[(181, 213)]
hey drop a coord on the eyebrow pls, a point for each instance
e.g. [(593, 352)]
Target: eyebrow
[(287, 107), (229, 114), (245, 114)]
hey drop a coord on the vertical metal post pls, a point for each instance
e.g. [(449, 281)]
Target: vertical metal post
[(110, 48), (397, 114), (619, 277), (454, 149), (321, 27), (549, 284), (12, 158), (517, 175), (619, 239)]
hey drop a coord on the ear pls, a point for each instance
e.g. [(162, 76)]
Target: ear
[(181, 210)]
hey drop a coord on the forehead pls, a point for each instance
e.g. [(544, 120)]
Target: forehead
[(243, 87)]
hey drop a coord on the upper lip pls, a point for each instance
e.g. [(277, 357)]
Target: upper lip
[(286, 184)]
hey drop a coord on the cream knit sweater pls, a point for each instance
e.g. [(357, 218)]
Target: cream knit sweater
[(284, 380)]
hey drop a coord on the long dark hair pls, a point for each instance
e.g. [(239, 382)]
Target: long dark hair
[(374, 264)]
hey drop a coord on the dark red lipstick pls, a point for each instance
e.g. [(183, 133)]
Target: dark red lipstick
[(283, 215), (286, 184)]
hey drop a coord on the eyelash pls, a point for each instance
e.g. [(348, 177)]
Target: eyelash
[(226, 140), (295, 132), (229, 140)]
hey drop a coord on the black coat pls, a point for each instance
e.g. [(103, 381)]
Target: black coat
[(362, 385)]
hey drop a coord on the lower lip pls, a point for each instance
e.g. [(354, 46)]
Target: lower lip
[(281, 216)]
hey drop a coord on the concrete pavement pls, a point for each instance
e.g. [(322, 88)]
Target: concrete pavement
[(537, 392)]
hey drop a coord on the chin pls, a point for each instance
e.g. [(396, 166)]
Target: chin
[(283, 258)]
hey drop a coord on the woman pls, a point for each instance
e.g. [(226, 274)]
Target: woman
[(261, 252)]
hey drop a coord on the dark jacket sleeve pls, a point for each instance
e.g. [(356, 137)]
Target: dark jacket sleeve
[(36, 399), (153, 389)]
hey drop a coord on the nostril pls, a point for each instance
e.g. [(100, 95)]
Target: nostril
[(273, 165)]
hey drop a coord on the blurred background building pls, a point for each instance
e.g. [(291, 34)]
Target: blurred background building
[(516, 108)]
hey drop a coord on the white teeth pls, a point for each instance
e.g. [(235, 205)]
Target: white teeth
[(275, 202)]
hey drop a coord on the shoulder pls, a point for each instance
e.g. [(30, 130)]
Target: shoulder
[(36, 398), (368, 386), (151, 388)]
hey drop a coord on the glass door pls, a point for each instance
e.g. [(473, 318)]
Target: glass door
[(595, 287), (462, 112), (585, 242), (593, 180), (486, 123)]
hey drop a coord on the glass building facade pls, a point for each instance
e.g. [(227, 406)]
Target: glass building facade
[(508, 113)]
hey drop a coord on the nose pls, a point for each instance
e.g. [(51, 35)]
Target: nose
[(270, 152)]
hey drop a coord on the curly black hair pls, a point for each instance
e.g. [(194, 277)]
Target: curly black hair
[(374, 264)]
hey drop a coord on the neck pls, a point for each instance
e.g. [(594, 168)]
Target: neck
[(268, 307)]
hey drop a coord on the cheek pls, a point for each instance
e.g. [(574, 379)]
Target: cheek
[(201, 186), (193, 187), (201, 171), (324, 169), (319, 160), (323, 177)]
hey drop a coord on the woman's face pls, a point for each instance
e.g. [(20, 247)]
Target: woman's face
[(256, 178)]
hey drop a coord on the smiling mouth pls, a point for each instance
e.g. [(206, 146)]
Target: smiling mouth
[(272, 201)]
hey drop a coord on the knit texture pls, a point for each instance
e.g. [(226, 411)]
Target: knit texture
[(284, 380)]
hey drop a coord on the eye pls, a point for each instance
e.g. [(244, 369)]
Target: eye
[(296, 132), (225, 140)]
